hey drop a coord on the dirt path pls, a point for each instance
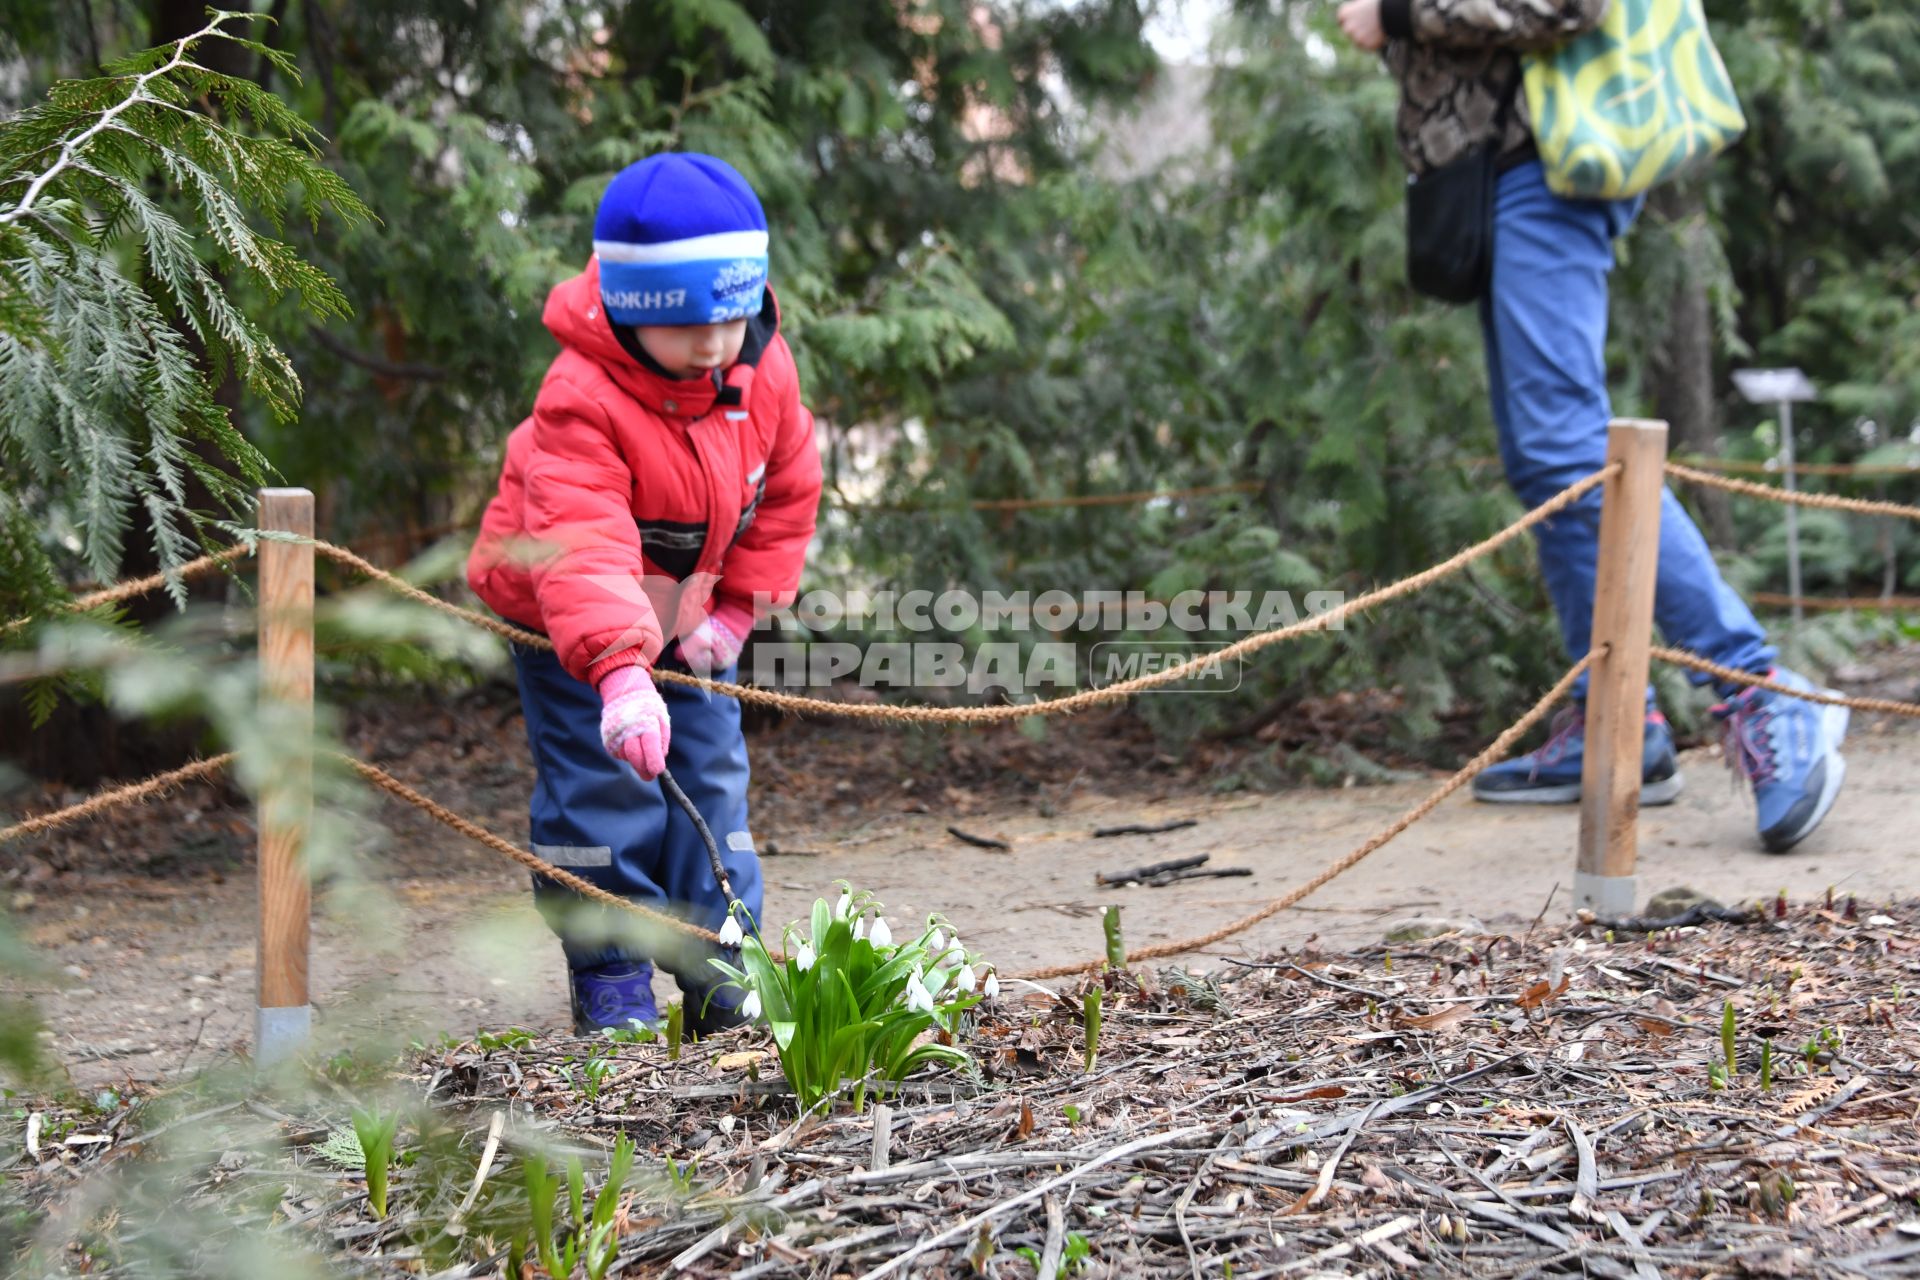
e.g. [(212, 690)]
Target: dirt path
[(150, 975)]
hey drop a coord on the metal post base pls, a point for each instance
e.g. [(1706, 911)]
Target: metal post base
[(1604, 895), (280, 1034)]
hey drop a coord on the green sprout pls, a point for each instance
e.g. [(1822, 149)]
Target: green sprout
[(1116, 945), (1090, 1010), (376, 1133)]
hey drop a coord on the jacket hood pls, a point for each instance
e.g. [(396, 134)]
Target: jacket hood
[(578, 320)]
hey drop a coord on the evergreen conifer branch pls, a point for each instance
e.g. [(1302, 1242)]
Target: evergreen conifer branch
[(130, 208)]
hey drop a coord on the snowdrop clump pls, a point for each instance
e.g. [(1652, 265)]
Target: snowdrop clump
[(851, 1004)]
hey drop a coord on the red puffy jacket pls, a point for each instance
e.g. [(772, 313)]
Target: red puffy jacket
[(624, 474)]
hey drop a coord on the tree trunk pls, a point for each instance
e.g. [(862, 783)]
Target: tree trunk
[(1681, 371)]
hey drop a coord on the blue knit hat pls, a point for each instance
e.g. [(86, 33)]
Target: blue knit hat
[(681, 240)]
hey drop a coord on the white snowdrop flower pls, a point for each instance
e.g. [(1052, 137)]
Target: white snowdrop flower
[(919, 999), (881, 934), (844, 907), (750, 1007), (936, 943), (963, 980), (992, 989), (859, 928), (805, 957), (730, 932)]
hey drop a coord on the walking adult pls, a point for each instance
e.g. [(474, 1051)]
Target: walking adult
[(1543, 312)]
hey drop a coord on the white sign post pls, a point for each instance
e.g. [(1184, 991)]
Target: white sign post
[(1782, 387)]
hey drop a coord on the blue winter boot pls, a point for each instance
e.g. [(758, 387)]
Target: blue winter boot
[(1789, 749), (612, 995), (1551, 775)]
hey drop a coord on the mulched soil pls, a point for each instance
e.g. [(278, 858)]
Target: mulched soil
[(1550, 1103)]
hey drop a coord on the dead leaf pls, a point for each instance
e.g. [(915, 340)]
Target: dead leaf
[(1024, 1129), (1654, 1027), (1445, 1020), (740, 1061), (1541, 992)]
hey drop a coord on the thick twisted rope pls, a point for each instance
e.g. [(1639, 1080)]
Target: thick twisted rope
[(1805, 468), (1054, 706), (131, 793), (1893, 603), (1495, 751), (1824, 501), (137, 586), (533, 862), (134, 792), (1693, 661)]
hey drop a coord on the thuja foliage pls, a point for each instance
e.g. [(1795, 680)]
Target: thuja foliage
[(131, 203)]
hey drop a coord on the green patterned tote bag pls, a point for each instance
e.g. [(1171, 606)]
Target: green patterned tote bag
[(1629, 104)]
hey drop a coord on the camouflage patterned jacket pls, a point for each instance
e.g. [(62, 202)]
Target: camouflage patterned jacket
[(1455, 58)]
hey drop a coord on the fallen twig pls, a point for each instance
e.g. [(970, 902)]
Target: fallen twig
[(1113, 879), (1145, 829), (981, 842)]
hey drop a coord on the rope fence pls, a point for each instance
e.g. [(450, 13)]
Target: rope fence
[(1732, 675), (133, 587), (1498, 749), (1780, 600), (1067, 705), (1770, 493), (118, 797), (384, 781), (531, 861), (393, 786), (1741, 466)]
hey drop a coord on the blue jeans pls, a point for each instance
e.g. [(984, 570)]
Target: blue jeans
[(592, 815), (1545, 323)]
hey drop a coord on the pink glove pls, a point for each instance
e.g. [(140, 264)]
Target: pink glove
[(633, 720), (716, 643)]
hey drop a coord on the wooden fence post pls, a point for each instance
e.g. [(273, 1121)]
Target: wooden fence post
[(1603, 880), (283, 1013)]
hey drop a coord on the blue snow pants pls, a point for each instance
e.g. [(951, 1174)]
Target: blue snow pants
[(1545, 324), (592, 815)]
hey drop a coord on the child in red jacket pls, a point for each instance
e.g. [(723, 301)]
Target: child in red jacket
[(666, 485)]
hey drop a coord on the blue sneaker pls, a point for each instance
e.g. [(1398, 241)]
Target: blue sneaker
[(612, 995), (1551, 774), (1789, 749)]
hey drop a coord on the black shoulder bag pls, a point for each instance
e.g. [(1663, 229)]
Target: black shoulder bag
[(1450, 218)]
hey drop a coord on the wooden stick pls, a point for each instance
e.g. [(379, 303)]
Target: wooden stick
[(1143, 829), (1617, 684), (1056, 1245), (480, 1175), (882, 1137), (284, 1014), (1115, 878), (980, 842)]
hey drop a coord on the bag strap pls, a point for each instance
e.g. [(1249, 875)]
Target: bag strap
[(1507, 96)]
